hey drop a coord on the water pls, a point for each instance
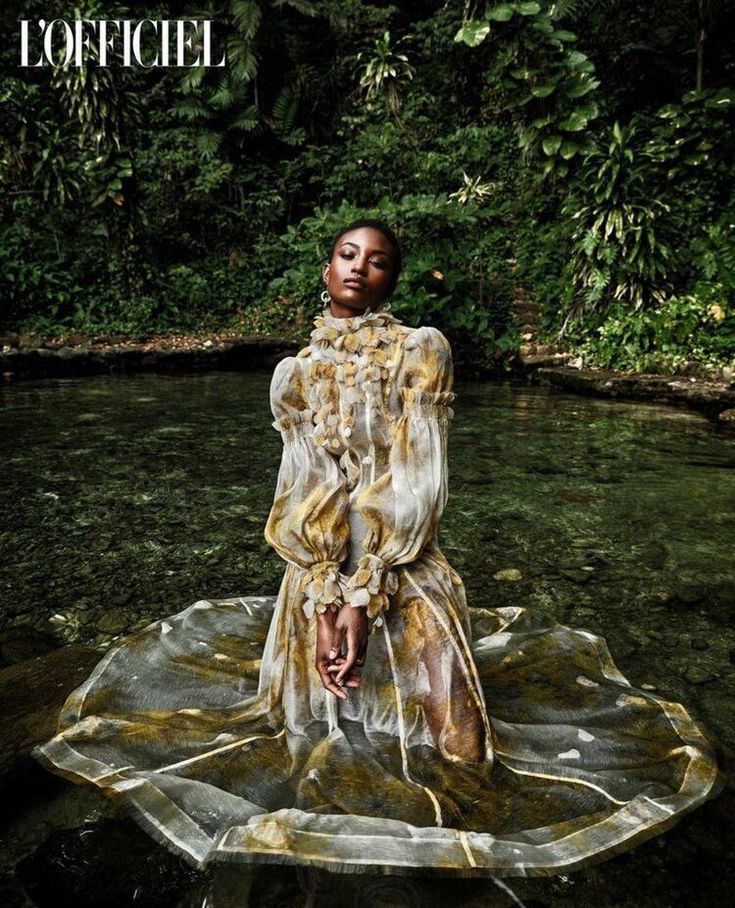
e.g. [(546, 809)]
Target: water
[(126, 498)]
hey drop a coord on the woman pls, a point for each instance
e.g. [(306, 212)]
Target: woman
[(364, 410), (351, 723)]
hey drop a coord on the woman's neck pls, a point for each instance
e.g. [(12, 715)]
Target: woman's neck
[(339, 310)]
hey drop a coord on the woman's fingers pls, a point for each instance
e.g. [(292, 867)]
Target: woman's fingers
[(337, 691), (335, 650), (324, 640), (336, 670), (328, 682), (350, 625), (355, 677), (350, 659)]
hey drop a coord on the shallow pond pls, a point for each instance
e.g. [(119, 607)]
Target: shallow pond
[(125, 499)]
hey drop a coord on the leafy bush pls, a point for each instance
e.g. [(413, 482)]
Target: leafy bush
[(696, 325), (680, 330), (623, 237)]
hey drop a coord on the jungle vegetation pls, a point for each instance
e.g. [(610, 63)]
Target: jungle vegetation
[(582, 151)]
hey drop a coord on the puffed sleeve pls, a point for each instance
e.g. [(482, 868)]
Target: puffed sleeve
[(307, 524), (403, 507)]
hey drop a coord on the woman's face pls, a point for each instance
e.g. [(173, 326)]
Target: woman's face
[(359, 273)]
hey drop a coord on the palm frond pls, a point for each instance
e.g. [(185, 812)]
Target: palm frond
[(222, 96), (246, 15), (243, 59), (285, 108), (304, 7), (192, 79), (572, 10), (208, 142), (190, 110), (248, 120)]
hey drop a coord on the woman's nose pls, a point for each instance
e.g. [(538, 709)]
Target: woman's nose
[(359, 266)]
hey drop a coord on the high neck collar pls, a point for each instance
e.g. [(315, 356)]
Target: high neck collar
[(377, 319)]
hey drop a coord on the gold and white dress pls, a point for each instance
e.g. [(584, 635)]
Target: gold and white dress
[(481, 741)]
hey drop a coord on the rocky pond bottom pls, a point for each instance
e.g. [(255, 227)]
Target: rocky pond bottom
[(127, 498)]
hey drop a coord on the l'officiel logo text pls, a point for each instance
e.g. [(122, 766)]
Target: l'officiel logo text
[(61, 43)]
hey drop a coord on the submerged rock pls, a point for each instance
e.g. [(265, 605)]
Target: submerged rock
[(697, 674), (688, 593), (113, 622), (508, 574), (575, 575), (32, 693)]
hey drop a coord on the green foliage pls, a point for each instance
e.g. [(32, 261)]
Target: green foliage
[(695, 326), (691, 141), (511, 165), (384, 69), (714, 249), (35, 276), (638, 197), (681, 329), (542, 249), (225, 105), (622, 248), (542, 77)]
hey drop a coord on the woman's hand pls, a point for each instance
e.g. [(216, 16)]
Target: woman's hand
[(325, 633), (328, 656), (351, 625)]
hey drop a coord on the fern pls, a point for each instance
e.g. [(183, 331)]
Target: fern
[(301, 6), (222, 97), (247, 16), (192, 78), (190, 110), (243, 59), (208, 143), (577, 9), (285, 108), (248, 120)]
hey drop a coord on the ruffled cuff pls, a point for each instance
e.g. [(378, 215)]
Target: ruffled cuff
[(370, 586), (295, 425), (322, 588), (428, 404)]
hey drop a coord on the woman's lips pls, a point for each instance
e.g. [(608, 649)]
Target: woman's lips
[(356, 285)]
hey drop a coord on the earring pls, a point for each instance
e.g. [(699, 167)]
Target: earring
[(386, 307), (325, 297)]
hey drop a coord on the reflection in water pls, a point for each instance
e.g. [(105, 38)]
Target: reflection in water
[(127, 498), (233, 887)]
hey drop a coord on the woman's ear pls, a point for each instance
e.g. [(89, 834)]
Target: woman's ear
[(325, 272)]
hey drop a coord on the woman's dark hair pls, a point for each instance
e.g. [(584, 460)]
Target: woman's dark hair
[(388, 233)]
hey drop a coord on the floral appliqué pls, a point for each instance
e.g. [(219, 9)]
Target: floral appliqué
[(351, 358)]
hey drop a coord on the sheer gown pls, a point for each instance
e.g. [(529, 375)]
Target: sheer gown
[(481, 741)]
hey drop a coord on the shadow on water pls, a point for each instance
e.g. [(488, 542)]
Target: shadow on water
[(125, 499)]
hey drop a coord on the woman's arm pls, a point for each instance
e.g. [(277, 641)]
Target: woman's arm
[(403, 507), (307, 524)]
